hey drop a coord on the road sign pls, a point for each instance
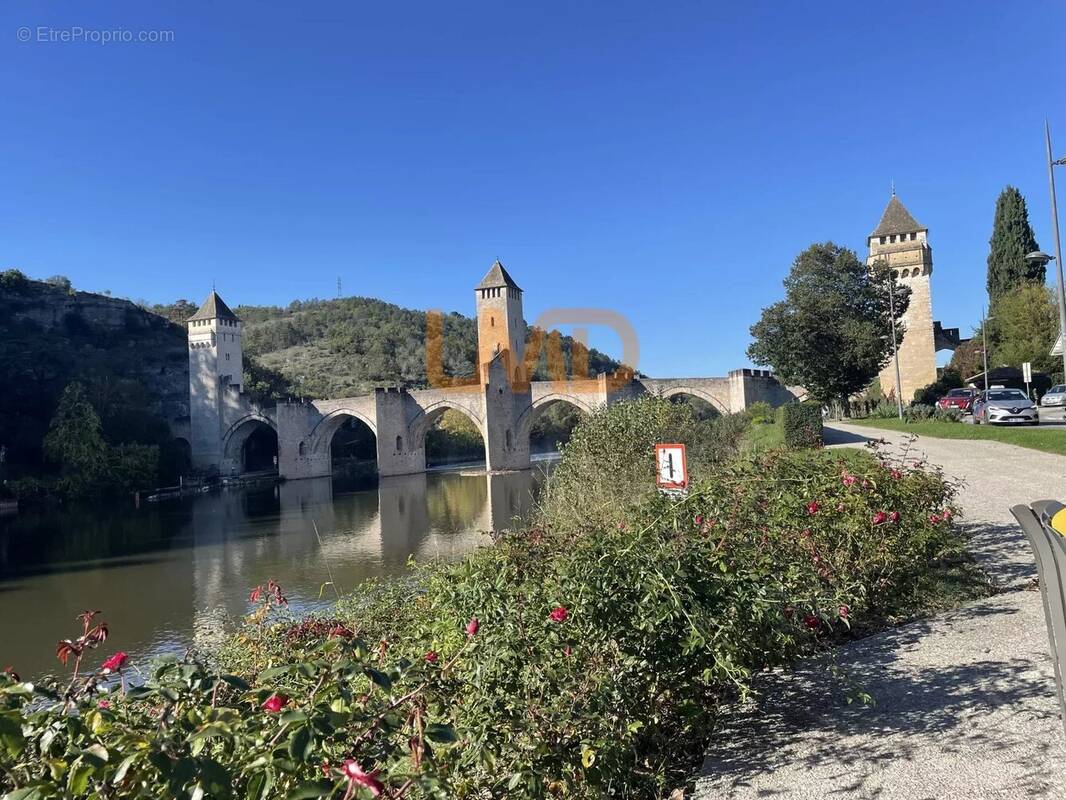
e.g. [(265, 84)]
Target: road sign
[(1027, 372), (672, 470)]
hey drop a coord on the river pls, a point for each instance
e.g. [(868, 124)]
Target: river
[(177, 573)]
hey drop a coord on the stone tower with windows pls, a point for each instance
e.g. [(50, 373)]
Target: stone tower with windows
[(904, 244), (216, 367), (501, 328)]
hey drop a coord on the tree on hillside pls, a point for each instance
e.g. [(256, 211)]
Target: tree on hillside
[(1026, 325), (75, 440), (832, 332), (1012, 239)]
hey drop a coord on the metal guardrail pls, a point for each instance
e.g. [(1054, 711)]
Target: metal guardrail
[(1049, 546)]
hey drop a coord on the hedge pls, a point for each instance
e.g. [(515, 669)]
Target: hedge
[(802, 424)]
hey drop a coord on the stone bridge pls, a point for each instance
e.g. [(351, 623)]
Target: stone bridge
[(499, 401), (503, 413)]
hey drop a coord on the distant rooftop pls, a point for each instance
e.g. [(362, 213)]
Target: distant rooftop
[(897, 219), (496, 277), (214, 307)]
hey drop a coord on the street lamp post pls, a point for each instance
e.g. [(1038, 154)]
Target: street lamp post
[(1051, 164)]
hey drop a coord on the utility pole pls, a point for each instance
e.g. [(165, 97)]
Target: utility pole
[(1051, 164), (984, 345), (892, 315)]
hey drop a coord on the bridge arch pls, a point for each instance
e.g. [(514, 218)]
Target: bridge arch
[(529, 415), (321, 436), (698, 393), (236, 439), (419, 430)]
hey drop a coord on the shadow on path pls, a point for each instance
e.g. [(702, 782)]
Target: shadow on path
[(948, 717), (832, 436)]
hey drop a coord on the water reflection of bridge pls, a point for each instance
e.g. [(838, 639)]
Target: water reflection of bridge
[(242, 539)]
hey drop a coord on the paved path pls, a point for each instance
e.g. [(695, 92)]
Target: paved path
[(965, 706)]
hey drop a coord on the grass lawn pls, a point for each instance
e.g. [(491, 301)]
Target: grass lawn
[(1050, 440)]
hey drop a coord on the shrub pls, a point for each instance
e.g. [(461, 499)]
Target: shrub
[(928, 395), (918, 412), (12, 280), (947, 414), (761, 413), (802, 424), (608, 464), (886, 409), (598, 660)]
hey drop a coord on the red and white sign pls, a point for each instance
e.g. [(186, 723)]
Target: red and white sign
[(672, 471)]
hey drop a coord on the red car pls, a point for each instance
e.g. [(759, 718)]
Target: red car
[(961, 399)]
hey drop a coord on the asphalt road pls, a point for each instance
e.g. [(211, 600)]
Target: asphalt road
[(964, 702)]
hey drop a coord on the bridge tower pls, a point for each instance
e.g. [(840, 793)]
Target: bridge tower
[(216, 367), (501, 328), (901, 242)]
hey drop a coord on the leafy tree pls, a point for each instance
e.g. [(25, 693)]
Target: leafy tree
[(1012, 239), (13, 280), (1025, 327), (61, 282), (75, 441), (967, 359), (177, 312), (832, 332)]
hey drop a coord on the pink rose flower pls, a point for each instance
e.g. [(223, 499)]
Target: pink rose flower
[(843, 611), (812, 507), (894, 516), (368, 780), (116, 662), (274, 703), (879, 518), (559, 614), (472, 627), (432, 657)]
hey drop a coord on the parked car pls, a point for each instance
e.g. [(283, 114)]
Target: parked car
[(1055, 397), (961, 399), (1007, 406)]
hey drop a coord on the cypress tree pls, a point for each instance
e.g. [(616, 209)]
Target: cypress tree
[(1012, 239)]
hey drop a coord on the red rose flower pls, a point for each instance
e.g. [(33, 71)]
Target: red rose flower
[(789, 611), (275, 703), (934, 518), (879, 517), (847, 480), (432, 657), (104, 704), (257, 593), (812, 507), (894, 516), (472, 627), (559, 614), (896, 474), (116, 662), (812, 621), (698, 519), (368, 780)]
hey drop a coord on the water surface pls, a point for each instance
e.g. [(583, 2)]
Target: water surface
[(175, 573)]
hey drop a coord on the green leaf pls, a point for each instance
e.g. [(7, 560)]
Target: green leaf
[(123, 768), (378, 677), (78, 780), (443, 734), (301, 744), (276, 672), (237, 682), (310, 789), (26, 793), (293, 716), (97, 754)]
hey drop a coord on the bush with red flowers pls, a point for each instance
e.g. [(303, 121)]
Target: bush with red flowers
[(588, 658)]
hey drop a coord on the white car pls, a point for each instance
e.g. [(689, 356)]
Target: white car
[(1055, 397), (1006, 406)]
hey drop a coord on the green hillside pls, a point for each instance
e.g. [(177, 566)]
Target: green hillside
[(338, 348)]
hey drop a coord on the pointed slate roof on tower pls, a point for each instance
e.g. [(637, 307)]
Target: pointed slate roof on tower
[(214, 307), (496, 277), (897, 219)]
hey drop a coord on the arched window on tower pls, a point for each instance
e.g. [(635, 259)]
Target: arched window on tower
[(399, 444)]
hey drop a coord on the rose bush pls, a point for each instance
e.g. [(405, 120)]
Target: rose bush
[(571, 660)]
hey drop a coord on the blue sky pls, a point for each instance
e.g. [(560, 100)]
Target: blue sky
[(666, 161)]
